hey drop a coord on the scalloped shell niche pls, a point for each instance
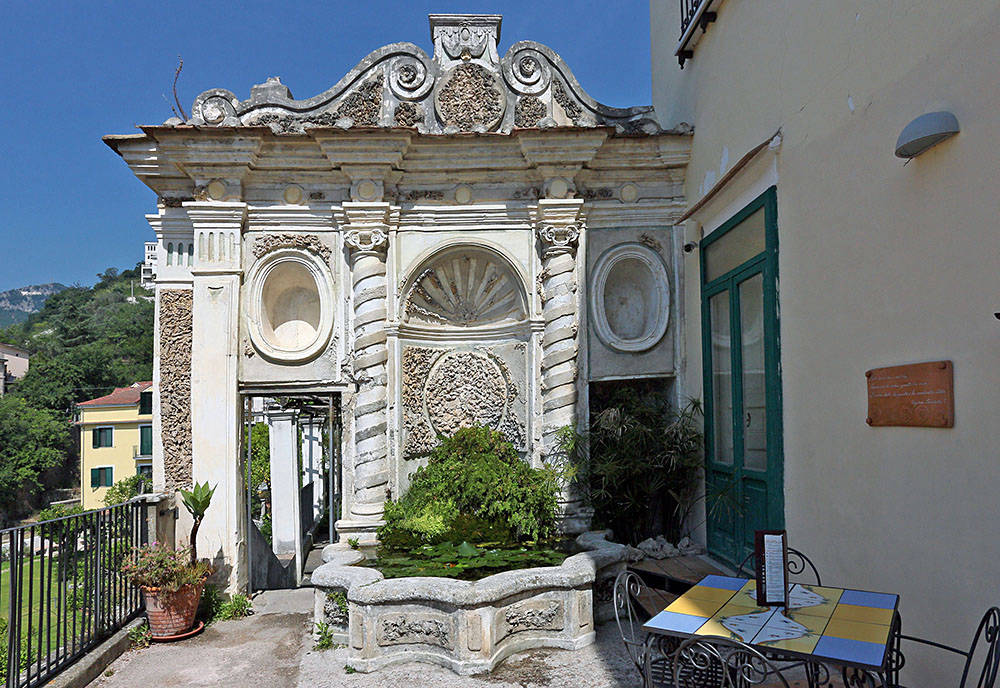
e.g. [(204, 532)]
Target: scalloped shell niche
[(291, 308)]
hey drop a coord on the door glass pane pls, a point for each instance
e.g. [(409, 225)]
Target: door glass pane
[(752, 347), (722, 384), (735, 247)]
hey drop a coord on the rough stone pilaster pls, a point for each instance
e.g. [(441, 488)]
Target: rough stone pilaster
[(367, 240), (175, 386)]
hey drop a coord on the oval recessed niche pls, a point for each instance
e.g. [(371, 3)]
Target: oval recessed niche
[(291, 314), (630, 298)]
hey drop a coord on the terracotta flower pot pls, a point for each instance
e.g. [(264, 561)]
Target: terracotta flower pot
[(171, 613)]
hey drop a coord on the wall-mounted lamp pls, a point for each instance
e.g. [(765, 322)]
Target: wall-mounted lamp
[(925, 131)]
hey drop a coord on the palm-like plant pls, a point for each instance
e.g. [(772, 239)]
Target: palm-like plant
[(196, 502), (640, 463)]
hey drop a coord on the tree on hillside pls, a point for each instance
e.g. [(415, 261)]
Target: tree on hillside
[(32, 441), (83, 343)]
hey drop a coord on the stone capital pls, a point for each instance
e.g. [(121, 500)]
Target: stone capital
[(559, 223), (366, 228), (367, 241), (216, 215), (559, 238)]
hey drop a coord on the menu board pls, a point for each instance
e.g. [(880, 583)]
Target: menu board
[(915, 395), (771, 555)]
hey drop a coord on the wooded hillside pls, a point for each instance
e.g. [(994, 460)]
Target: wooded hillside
[(84, 342)]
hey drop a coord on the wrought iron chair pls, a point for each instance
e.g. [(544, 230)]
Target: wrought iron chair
[(797, 565), (715, 661), (983, 655), (652, 655), (629, 618)]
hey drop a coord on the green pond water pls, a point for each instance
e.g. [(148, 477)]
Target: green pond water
[(465, 561)]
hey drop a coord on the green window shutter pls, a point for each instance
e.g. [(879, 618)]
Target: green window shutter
[(96, 434), (108, 477), (146, 440), (95, 476), (145, 403)]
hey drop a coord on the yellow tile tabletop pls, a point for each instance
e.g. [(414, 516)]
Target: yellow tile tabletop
[(834, 624), (872, 615)]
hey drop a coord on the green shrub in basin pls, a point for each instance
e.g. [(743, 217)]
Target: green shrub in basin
[(475, 487)]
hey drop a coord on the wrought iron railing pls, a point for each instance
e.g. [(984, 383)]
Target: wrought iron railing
[(61, 591), (694, 14), (689, 8)]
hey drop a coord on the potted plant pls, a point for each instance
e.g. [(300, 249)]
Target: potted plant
[(172, 580)]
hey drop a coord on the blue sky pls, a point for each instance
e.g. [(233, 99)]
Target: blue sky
[(71, 72)]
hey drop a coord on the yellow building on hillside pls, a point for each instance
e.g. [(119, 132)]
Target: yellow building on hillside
[(116, 440)]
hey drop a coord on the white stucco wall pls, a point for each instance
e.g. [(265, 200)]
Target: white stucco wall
[(879, 264)]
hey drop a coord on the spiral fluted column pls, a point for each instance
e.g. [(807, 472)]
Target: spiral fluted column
[(368, 248), (559, 340), (559, 226)]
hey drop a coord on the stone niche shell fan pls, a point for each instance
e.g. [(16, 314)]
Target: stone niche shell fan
[(466, 287), (290, 303)]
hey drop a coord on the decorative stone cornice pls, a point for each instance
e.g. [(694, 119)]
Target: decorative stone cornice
[(226, 162), (465, 86)]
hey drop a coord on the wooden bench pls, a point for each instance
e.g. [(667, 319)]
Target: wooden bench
[(653, 601), (672, 577)]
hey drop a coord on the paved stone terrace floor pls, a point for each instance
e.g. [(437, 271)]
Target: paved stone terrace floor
[(274, 648)]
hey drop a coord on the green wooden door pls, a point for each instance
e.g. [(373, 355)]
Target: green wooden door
[(743, 447)]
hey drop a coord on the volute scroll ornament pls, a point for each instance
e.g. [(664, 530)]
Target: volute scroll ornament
[(373, 240), (559, 238), (526, 71), (216, 107), (411, 77)]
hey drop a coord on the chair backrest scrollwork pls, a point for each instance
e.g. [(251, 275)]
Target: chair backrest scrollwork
[(735, 664), (984, 653), (798, 564), (626, 591)]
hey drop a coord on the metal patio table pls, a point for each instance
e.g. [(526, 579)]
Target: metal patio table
[(855, 631)]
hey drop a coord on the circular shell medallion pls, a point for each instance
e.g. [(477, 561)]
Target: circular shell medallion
[(630, 298), (470, 97)]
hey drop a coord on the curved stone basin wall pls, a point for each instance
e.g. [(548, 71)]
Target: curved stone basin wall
[(467, 626)]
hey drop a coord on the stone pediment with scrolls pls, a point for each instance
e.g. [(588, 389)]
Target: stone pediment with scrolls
[(464, 87)]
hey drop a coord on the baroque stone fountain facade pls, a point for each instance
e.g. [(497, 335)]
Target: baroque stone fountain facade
[(441, 240)]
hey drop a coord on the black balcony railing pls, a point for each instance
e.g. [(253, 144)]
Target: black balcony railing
[(688, 9), (694, 13), (61, 592)]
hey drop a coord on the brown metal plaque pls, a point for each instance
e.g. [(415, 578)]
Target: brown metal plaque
[(915, 395)]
